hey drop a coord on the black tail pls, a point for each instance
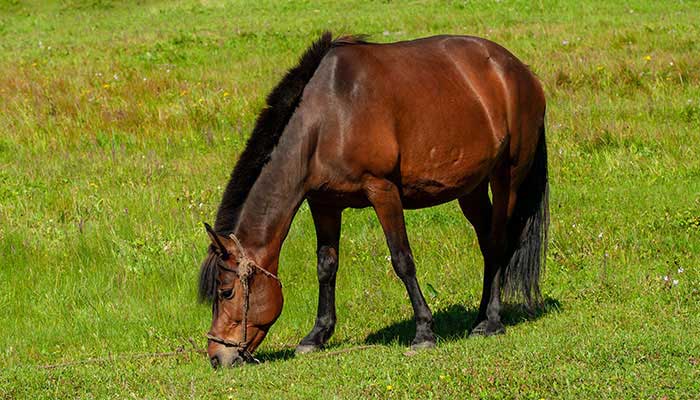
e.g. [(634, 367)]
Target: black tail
[(528, 232)]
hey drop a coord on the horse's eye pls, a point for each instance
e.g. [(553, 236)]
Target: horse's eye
[(226, 294)]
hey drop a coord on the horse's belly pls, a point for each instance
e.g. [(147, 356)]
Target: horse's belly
[(427, 183), (441, 176)]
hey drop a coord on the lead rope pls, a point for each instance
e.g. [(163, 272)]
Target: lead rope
[(244, 275)]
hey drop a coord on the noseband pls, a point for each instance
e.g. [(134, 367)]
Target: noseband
[(246, 268)]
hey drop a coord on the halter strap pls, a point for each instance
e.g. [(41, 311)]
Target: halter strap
[(243, 259)]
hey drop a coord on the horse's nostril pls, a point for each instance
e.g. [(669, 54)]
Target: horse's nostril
[(237, 361), (215, 363)]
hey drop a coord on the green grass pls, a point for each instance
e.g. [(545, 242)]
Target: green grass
[(120, 123)]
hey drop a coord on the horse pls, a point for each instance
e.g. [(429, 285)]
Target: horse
[(393, 126)]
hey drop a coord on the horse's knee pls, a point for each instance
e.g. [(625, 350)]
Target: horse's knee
[(327, 264), (403, 265)]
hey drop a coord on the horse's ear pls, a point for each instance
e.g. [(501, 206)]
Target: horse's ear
[(218, 242)]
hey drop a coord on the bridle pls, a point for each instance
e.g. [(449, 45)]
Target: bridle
[(246, 268)]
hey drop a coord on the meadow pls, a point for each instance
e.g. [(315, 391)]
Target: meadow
[(120, 122)]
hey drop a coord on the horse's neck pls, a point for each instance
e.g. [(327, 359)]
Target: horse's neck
[(273, 200)]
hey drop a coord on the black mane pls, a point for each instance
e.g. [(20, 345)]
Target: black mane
[(280, 106)]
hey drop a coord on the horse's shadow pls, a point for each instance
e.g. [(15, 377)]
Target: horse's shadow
[(456, 321), (276, 355), (449, 324)]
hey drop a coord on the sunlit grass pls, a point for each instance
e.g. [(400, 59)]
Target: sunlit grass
[(120, 123)]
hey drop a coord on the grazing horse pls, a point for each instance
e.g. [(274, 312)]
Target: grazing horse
[(393, 126)]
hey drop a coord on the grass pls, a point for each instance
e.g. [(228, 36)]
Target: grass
[(120, 122)]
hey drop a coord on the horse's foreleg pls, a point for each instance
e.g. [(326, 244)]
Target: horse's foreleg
[(384, 197), (327, 223)]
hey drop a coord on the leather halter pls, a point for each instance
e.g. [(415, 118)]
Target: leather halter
[(246, 268)]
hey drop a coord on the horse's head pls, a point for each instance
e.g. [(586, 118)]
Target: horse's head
[(247, 300)]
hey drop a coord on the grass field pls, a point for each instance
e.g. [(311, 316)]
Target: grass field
[(121, 121)]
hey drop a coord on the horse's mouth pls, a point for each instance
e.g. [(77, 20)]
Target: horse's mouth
[(233, 357)]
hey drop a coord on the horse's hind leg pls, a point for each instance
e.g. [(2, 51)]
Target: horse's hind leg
[(490, 225), (327, 223), (385, 199)]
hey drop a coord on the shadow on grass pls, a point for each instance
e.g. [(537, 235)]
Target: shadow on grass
[(276, 355), (450, 324), (456, 321)]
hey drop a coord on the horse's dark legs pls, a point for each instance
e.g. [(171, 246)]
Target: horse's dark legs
[(386, 201), (327, 223), (490, 224)]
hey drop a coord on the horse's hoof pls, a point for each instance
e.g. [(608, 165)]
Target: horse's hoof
[(306, 348), (428, 344), (488, 328)]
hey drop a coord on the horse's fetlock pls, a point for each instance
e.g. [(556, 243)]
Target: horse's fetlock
[(326, 322)]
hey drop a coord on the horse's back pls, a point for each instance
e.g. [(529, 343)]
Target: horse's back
[(435, 113)]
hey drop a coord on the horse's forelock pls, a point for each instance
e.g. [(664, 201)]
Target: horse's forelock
[(207, 277)]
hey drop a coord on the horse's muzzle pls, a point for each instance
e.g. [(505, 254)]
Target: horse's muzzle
[(227, 357), (232, 357)]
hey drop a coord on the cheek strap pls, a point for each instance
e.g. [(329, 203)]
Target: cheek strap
[(246, 269)]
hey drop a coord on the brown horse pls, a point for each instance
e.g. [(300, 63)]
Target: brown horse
[(393, 126)]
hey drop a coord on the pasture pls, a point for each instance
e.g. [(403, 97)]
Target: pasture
[(120, 123)]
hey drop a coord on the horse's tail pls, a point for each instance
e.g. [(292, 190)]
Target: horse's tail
[(528, 231)]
